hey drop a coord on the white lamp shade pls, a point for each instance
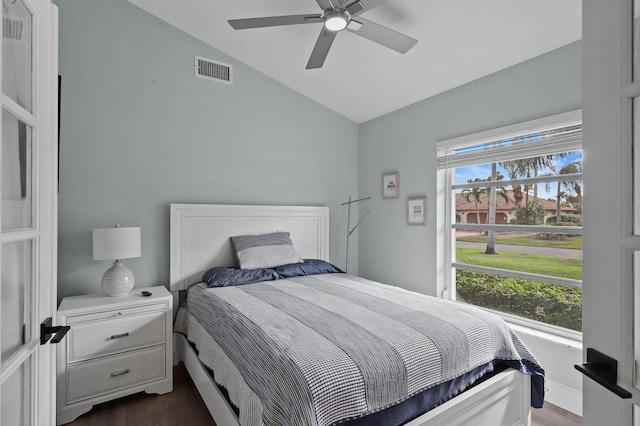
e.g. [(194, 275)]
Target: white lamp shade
[(116, 243)]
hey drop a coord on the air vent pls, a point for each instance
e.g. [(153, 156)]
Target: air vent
[(12, 28), (213, 70)]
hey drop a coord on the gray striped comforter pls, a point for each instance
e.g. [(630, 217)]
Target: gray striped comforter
[(320, 349)]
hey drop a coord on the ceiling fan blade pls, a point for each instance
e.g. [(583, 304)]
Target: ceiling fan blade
[(321, 49), (383, 35), (326, 4), (274, 21), (356, 7)]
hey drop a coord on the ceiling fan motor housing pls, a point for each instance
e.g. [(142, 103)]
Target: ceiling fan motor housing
[(336, 20)]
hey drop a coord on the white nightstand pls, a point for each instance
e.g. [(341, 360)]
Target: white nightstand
[(117, 346)]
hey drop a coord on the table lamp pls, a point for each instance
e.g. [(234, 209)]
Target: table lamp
[(115, 244)]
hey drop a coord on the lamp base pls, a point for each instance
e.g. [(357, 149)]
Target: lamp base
[(118, 280)]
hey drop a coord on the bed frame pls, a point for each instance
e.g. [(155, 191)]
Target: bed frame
[(200, 240)]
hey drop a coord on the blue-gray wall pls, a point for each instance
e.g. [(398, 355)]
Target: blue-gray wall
[(404, 141), (139, 132)]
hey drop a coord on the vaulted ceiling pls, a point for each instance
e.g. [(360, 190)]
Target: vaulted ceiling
[(458, 41)]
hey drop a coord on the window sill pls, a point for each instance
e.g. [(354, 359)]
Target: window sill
[(565, 340), (552, 333)]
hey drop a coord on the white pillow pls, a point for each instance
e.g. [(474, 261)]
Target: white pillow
[(264, 251)]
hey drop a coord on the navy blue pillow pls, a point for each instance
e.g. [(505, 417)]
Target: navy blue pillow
[(308, 267), (222, 277)]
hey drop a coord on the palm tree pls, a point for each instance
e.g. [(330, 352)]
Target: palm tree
[(573, 187), (514, 170), (491, 216), (533, 165), (476, 193)]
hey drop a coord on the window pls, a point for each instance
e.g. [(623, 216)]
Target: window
[(513, 222)]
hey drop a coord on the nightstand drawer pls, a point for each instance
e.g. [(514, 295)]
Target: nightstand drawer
[(93, 378), (114, 313), (118, 334)]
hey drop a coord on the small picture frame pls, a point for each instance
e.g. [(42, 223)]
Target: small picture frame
[(417, 212), (391, 185)]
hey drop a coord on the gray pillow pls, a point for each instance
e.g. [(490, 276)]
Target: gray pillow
[(263, 251), (308, 267)]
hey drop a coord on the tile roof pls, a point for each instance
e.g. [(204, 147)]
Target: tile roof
[(502, 204)]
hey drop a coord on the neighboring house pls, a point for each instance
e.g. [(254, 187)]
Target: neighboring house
[(468, 212)]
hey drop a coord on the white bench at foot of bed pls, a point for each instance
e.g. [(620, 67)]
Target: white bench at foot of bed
[(502, 400)]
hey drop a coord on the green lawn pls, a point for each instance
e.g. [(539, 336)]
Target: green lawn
[(534, 263), (573, 242)]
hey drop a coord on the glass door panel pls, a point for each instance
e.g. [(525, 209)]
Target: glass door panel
[(17, 63), (16, 396), (636, 165), (15, 297), (16, 173), (636, 40), (636, 314), (27, 207)]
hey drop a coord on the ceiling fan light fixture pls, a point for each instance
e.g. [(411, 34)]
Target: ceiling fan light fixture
[(336, 20)]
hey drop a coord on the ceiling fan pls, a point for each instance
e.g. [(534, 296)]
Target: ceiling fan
[(338, 15)]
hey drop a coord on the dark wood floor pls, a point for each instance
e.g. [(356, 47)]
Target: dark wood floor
[(551, 415), (184, 406)]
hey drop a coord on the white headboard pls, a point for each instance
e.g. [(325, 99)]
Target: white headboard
[(200, 234)]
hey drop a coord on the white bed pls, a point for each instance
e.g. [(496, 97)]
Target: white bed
[(200, 240)]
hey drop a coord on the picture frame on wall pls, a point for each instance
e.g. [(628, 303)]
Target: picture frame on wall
[(417, 212), (391, 185)]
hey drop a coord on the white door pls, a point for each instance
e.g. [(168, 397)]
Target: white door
[(28, 181), (611, 112)]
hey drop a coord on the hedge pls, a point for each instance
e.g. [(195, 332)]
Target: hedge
[(549, 303)]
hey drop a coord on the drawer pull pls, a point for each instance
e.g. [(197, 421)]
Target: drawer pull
[(119, 373), (117, 336)]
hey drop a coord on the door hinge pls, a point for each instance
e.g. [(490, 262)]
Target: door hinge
[(47, 330)]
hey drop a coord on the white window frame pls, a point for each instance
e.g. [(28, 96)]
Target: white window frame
[(446, 206)]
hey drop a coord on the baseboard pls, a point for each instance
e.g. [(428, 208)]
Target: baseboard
[(564, 397)]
